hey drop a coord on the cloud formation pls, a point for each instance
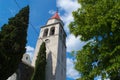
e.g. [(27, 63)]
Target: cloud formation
[(74, 43), (68, 6), (71, 72)]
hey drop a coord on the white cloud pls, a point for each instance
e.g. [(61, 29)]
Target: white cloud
[(52, 12), (30, 51), (71, 72), (68, 6), (74, 43)]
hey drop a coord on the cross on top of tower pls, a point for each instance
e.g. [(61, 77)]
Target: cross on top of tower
[(56, 16)]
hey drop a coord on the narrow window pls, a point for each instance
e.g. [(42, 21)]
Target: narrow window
[(26, 58), (45, 32), (52, 31)]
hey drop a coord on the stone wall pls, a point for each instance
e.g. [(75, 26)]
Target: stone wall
[(24, 72)]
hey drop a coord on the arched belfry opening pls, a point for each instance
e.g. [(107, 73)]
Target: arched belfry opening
[(45, 32), (52, 31)]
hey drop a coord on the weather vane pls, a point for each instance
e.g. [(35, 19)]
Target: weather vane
[(57, 9)]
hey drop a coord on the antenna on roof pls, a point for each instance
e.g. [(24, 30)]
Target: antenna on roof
[(57, 10)]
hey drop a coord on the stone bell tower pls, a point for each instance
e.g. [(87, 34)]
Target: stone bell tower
[(54, 36)]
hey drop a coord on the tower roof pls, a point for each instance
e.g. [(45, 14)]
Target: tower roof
[(55, 16)]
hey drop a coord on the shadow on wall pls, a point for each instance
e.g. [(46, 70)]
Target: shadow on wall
[(60, 71), (49, 73), (24, 72)]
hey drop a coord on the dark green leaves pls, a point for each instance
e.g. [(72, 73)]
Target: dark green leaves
[(40, 65), (12, 43), (99, 22)]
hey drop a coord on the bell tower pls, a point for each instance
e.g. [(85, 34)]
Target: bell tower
[(54, 36)]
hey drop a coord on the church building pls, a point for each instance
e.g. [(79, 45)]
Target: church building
[(54, 36)]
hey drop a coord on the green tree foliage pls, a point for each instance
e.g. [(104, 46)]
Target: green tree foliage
[(98, 22), (40, 65), (12, 43)]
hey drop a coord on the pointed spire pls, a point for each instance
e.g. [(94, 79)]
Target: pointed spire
[(56, 16)]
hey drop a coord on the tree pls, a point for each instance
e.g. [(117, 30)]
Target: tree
[(98, 23), (40, 65), (12, 43)]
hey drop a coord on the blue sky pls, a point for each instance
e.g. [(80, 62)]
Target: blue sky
[(40, 12)]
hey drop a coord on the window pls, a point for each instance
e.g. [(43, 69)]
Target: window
[(26, 58), (45, 32), (52, 31), (47, 40)]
